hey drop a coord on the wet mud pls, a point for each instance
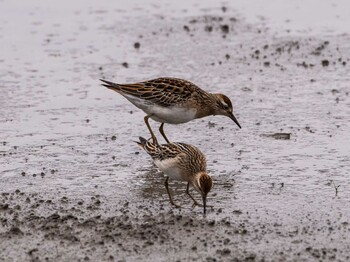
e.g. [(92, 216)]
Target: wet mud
[(74, 186)]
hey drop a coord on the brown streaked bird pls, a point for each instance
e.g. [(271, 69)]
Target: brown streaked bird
[(173, 101), (181, 162)]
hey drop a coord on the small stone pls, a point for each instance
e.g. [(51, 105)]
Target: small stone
[(225, 28), (208, 28), (325, 62)]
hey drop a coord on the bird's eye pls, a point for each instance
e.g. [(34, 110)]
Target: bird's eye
[(225, 107)]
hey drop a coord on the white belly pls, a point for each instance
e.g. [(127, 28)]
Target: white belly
[(169, 167), (171, 115)]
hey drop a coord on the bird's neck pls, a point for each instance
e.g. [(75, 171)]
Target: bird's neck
[(207, 106)]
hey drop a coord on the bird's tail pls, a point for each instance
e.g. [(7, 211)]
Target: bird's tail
[(152, 149), (142, 142), (111, 85)]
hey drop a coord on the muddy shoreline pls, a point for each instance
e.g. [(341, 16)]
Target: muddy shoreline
[(74, 185)]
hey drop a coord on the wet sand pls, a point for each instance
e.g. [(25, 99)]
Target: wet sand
[(75, 187)]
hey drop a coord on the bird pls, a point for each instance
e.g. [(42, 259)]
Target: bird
[(182, 162), (173, 101)]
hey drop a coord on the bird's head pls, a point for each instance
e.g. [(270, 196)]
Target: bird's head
[(203, 183), (223, 106)]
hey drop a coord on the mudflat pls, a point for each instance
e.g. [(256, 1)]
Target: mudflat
[(75, 187)]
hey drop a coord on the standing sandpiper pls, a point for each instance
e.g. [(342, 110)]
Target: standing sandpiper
[(181, 162), (173, 101)]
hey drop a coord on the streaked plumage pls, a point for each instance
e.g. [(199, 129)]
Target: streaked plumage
[(182, 162), (173, 101)]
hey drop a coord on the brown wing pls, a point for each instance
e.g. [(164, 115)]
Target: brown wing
[(162, 91), (162, 152)]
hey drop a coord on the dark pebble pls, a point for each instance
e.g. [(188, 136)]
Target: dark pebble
[(325, 63), (208, 28), (225, 28)]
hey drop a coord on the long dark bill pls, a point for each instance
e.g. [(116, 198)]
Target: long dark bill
[(235, 120), (204, 204)]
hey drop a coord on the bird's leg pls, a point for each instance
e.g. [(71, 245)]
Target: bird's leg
[(169, 194), (150, 130), (195, 203), (161, 130)]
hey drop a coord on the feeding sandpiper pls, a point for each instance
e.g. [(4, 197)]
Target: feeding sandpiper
[(173, 101), (181, 162)]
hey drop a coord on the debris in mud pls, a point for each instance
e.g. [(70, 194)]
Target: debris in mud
[(237, 212), (125, 64), (186, 28), (320, 48), (246, 89), (325, 62), (305, 65), (15, 231), (225, 29), (113, 138), (208, 28), (335, 91), (4, 206), (288, 47), (336, 187), (137, 45), (224, 252), (279, 136), (211, 124), (307, 128)]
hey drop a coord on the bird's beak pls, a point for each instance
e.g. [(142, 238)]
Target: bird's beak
[(234, 120), (204, 204)]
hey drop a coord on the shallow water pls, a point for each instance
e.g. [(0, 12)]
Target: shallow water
[(88, 192)]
